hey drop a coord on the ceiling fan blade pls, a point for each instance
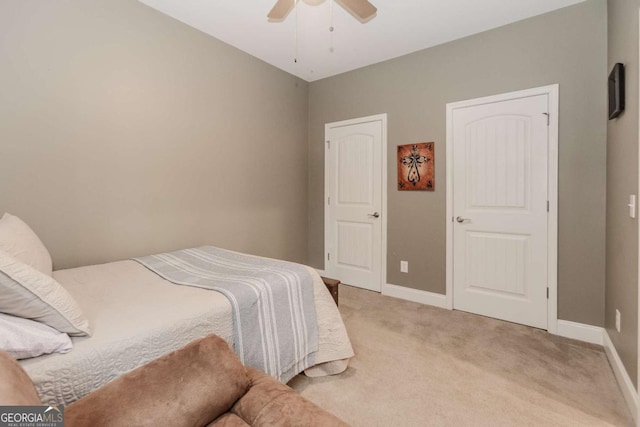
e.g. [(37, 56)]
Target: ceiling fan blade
[(361, 9), (280, 10)]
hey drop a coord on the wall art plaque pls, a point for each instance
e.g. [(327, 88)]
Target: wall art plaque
[(416, 167)]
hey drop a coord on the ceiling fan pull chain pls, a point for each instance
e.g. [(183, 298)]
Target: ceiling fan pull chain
[(331, 26), (295, 37)]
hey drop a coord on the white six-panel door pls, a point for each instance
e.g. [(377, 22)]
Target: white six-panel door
[(354, 179), (500, 209)]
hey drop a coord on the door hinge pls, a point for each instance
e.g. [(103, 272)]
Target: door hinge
[(329, 200), (547, 293), (328, 256), (547, 206), (548, 118), (328, 144)]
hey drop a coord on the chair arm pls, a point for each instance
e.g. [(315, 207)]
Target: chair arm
[(189, 387), (16, 387)]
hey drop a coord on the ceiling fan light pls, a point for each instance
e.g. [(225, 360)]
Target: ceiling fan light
[(313, 2)]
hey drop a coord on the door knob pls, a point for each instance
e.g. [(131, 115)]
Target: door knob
[(461, 220), (374, 215)]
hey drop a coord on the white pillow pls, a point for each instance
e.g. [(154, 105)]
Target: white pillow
[(19, 241), (24, 338), (26, 292)]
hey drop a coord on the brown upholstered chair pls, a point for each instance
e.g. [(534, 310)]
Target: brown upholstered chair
[(202, 384)]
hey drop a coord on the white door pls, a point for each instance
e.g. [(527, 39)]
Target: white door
[(500, 204), (354, 201)]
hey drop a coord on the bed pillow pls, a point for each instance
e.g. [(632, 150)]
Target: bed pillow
[(18, 240), (24, 338), (26, 292)]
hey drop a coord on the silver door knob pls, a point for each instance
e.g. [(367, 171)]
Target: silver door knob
[(374, 215), (461, 220)]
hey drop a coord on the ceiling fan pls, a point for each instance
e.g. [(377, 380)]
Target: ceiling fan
[(362, 10)]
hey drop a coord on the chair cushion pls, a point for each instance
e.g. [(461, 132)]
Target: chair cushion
[(190, 387), (228, 420), (16, 387), (271, 403)]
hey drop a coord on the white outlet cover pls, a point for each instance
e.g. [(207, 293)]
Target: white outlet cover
[(404, 266)]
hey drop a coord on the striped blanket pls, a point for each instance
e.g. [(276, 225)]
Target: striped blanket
[(274, 315)]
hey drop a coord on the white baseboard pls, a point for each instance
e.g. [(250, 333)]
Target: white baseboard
[(624, 381), (415, 295), (580, 331)]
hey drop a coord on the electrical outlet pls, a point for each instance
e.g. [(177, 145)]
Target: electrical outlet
[(404, 266), (617, 320)]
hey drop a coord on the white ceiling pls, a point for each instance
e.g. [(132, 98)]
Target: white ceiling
[(400, 27)]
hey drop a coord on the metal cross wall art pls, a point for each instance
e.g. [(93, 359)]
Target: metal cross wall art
[(415, 167)]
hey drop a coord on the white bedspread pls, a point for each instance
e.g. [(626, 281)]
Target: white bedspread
[(136, 316)]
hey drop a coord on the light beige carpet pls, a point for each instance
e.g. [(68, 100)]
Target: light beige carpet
[(417, 365)]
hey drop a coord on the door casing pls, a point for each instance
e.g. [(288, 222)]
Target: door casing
[(552, 232), (328, 239)]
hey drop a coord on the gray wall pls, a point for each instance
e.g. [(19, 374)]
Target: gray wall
[(568, 47), (622, 180), (124, 132)]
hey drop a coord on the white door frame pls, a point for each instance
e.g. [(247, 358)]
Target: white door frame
[(552, 234), (328, 241), (637, 415)]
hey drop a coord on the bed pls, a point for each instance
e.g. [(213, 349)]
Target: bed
[(135, 316)]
